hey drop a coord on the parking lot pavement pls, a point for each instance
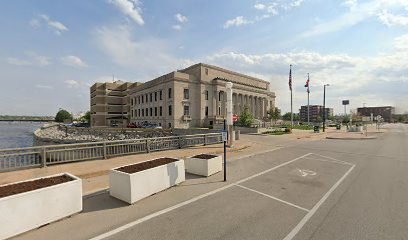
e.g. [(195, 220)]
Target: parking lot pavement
[(272, 204)]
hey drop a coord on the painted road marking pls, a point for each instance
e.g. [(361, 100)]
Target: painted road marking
[(310, 214), (261, 152), (169, 209), (332, 160), (305, 173), (274, 198)]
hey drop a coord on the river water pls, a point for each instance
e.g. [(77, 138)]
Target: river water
[(17, 134)]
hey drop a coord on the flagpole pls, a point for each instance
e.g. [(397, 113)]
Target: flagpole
[(308, 106), (291, 97)]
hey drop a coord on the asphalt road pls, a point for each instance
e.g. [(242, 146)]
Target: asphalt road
[(326, 189)]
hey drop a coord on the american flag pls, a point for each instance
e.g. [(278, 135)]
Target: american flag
[(290, 78), (307, 83)]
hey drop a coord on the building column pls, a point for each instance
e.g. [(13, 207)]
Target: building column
[(215, 103)]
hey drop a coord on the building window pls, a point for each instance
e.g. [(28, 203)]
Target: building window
[(142, 112), (170, 112), (161, 111), (161, 95), (131, 101), (151, 112), (142, 99), (206, 94), (220, 95), (169, 92), (186, 110), (219, 111), (169, 125), (155, 111), (151, 97), (206, 71), (138, 100), (147, 112), (186, 93), (155, 96), (147, 98), (206, 111), (138, 112)]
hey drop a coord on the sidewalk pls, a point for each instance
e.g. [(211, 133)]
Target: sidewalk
[(94, 173), (371, 133)]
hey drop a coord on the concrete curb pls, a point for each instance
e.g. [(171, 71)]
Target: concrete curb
[(349, 138)]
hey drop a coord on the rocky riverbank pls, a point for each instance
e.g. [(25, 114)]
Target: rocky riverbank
[(59, 134)]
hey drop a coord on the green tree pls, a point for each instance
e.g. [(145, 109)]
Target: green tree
[(62, 115), (274, 114), (86, 117), (346, 119), (245, 119), (286, 116)]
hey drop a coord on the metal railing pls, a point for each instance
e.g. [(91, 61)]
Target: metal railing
[(20, 158)]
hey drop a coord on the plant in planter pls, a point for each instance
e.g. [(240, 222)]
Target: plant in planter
[(30, 204), (133, 182), (204, 164)]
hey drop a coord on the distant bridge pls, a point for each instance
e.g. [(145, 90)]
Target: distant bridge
[(25, 119)]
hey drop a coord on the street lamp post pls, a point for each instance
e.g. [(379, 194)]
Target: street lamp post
[(324, 105)]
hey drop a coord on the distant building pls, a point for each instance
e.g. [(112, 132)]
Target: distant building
[(110, 103), (315, 113), (191, 97), (385, 112)]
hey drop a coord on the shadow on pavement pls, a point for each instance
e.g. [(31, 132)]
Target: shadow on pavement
[(101, 201)]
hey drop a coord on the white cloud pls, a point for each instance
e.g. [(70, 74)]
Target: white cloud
[(130, 8), (180, 18), (392, 20), (350, 3), (58, 27), (35, 23), (73, 61), (18, 62), (260, 6), (44, 86), (401, 42), (72, 83), (356, 78), (176, 27), (238, 21), (31, 58), (149, 57), (293, 4), (360, 12)]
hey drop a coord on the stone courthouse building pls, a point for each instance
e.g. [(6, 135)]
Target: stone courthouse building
[(191, 97)]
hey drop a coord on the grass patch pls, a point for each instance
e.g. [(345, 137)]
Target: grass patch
[(275, 132), (299, 127)]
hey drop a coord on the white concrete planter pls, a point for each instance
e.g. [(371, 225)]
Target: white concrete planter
[(25, 211), (204, 167), (132, 187)]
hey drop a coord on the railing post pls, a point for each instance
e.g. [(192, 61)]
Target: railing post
[(147, 146), (205, 139), (104, 151), (43, 157), (179, 142)]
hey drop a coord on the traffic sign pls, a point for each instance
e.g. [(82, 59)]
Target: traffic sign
[(234, 117)]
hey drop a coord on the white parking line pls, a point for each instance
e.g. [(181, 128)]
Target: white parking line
[(261, 152), (333, 159), (274, 198), (310, 214), (166, 210)]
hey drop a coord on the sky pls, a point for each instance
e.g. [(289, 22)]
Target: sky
[(51, 52)]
